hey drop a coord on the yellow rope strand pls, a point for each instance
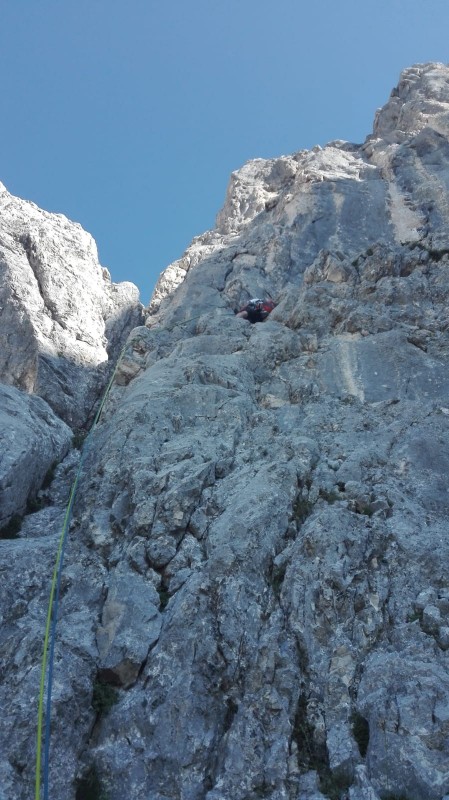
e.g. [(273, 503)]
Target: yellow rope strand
[(40, 712)]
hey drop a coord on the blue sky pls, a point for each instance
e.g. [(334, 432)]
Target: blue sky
[(128, 116)]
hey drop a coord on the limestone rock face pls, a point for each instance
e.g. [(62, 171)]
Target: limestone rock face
[(62, 322), (280, 215), (60, 315), (420, 100), (259, 561), (32, 440)]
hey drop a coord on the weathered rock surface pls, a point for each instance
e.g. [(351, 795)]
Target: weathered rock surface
[(32, 440), (259, 562), (62, 322), (286, 216), (60, 315)]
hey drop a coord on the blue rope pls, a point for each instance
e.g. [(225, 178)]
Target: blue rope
[(68, 519), (55, 594)]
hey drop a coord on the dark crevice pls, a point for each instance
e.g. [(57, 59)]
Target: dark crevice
[(91, 787), (360, 731), (12, 528), (105, 692), (32, 258), (275, 578), (31, 253), (231, 711), (164, 597), (313, 754)]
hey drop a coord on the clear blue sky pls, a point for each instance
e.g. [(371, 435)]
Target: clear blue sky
[(129, 115)]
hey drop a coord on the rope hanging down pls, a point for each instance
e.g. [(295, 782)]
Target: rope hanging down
[(53, 603), (52, 612)]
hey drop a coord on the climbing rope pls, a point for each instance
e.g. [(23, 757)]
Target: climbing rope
[(52, 612), (42, 771)]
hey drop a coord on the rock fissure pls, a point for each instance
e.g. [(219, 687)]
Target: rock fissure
[(30, 250)]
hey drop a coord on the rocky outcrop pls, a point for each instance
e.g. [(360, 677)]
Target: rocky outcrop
[(62, 323), (60, 314), (33, 441), (280, 215), (256, 597)]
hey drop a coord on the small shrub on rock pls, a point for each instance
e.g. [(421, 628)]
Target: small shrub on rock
[(104, 697), (302, 508), (360, 731), (78, 440)]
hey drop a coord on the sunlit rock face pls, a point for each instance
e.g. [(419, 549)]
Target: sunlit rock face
[(256, 591), (60, 313), (281, 214), (62, 322)]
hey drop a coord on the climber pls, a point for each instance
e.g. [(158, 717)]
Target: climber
[(256, 310)]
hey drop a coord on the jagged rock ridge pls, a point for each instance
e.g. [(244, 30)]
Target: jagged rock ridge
[(60, 312), (61, 318), (259, 561)]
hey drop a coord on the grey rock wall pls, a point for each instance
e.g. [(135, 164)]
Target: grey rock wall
[(62, 324), (257, 577), (280, 215), (32, 440), (60, 315)]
